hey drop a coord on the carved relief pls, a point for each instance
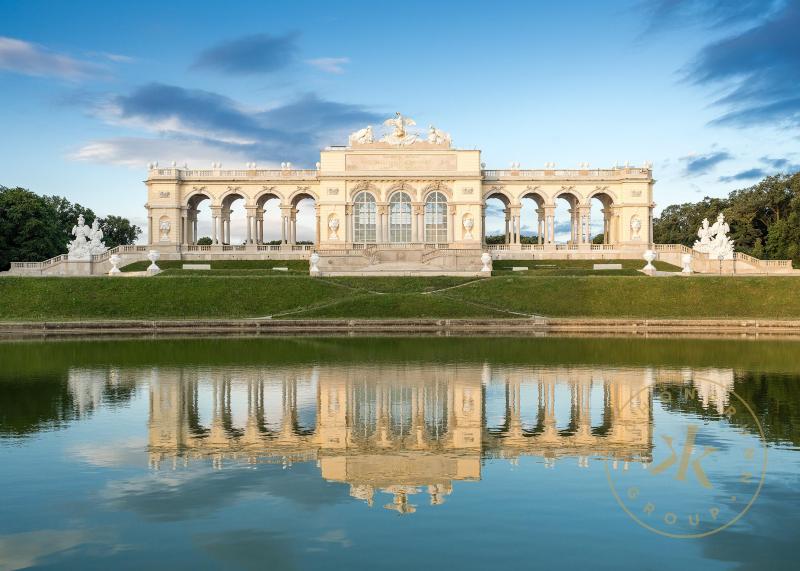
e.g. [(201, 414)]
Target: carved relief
[(406, 162)]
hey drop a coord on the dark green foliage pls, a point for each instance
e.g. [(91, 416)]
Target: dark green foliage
[(34, 228), (29, 228), (118, 231), (764, 218)]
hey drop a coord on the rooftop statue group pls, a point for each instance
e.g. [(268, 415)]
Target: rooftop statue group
[(714, 239), (399, 135), (88, 241)]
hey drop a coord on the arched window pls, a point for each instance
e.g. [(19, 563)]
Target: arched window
[(400, 218), (436, 218), (364, 216)]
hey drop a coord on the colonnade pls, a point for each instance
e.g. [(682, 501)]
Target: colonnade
[(254, 225), (580, 224)]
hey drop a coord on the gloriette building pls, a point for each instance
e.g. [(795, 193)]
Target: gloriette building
[(400, 197), (405, 202)]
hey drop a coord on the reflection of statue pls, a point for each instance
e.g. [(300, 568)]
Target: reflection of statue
[(362, 136), (79, 249), (97, 246), (399, 135), (164, 227), (437, 136)]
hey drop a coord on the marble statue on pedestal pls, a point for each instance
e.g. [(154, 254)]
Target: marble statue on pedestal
[(399, 135), (96, 245), (88, 241), (714, 239), (362, 136), (437, 136)]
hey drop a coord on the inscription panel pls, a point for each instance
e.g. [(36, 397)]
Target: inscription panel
[(401, 162)]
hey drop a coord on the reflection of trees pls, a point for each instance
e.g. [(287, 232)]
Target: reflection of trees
[(48, 401), (774, 398), (30, 405)]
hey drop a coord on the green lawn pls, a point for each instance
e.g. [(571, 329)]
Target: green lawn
[(255, 292)]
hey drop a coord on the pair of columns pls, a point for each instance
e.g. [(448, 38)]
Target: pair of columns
[(221, 225)]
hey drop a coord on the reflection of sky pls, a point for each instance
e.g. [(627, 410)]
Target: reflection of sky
[(90, 487)]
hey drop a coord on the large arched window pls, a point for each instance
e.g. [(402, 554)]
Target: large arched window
[(436, 218), (400, 218), (364, 215)]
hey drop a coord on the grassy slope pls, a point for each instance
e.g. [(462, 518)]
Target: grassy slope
[(161, 297), (243, 292)]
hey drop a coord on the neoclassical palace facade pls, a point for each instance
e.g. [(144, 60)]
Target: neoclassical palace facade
[(403, 190)]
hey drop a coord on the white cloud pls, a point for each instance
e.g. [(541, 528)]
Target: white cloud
[(138, 151), (27, 58), (330, 64)]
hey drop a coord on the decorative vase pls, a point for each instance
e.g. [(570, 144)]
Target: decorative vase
[(649, 256), (153, 256), (115, 260)]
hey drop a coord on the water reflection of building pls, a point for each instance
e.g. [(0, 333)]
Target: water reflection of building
[(399, 429)]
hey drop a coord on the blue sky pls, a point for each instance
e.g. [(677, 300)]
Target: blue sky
[(93, 91)]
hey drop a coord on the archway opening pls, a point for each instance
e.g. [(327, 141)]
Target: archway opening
[(198, 220), (532, 216), (303, 221), (268, 219), (566, 219), (600, 218), (233, 220), (496, 219)]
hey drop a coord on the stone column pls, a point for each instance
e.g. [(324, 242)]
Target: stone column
[(483, 224), (285, 226), (216, 224), (318, 225), (540, 225), (451, 225), (348, 224), (293, 226), (150, 229), (381, 210), (414, 222)]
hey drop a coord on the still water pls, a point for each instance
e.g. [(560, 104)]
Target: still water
[(399, 453)]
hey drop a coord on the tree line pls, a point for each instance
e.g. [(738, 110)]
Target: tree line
[(764, 219), (34, 228)]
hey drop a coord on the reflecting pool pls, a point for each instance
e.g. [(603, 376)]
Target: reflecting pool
[(399, 453)]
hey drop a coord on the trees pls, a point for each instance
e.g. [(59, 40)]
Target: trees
[(204, 241), (29, 228), (34, 228), (764, 218), (118, 231)]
